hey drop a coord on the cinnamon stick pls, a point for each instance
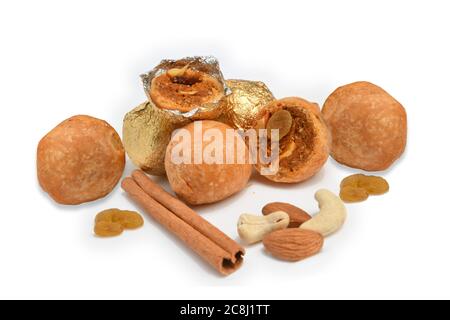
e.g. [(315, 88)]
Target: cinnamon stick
[(185, 213), (211, 244)]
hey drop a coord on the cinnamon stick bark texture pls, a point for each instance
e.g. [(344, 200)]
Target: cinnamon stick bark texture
[(211, 244)]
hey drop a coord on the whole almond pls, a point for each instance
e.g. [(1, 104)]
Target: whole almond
[(297, 216), (293, 244), (281, 121)]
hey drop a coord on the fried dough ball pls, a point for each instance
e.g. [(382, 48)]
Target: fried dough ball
[(185, 89), (80, 160), (368, 126), (304, 140), (199, 180)]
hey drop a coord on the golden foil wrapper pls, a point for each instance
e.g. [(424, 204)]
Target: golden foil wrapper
[(146, 133), (208, 65), (246, 101)]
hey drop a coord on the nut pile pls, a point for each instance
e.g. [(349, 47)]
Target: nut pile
[(289, 233), (292, 234)]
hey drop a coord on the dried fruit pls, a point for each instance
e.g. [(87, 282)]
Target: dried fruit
[(353, 194), (108, 229), (374, 185), (128, 219), (112, 222), (296, 215), (293, 244), (352, 181), (282, 121), (358, 187), (131, 220)]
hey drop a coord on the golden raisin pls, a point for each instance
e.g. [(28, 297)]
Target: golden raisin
[(374, 185), (352, 181), (128, 219), (106, 215), (358, 187), (282, 121), (353, 194), (108, 229), (112, 222)]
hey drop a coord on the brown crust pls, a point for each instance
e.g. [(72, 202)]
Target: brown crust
[(80, 160), (311, 138), (206, 183), (185, 93), (368, 126)]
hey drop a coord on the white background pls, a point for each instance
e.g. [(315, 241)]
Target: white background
[(61, 58)]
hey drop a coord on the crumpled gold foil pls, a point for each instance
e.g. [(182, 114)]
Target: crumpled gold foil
[(207, 64), (147, 131), (246, 101)]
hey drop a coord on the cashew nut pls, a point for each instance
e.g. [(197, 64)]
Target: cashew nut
[(332, 214), (252, 228), (188, 93), (289, 150)]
